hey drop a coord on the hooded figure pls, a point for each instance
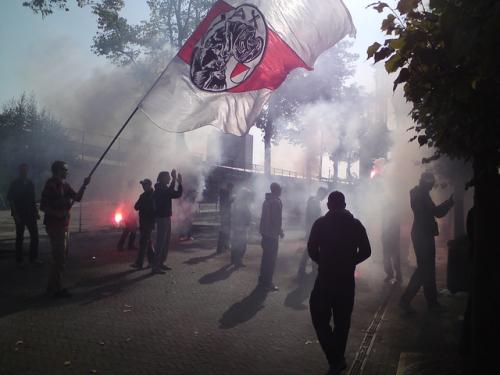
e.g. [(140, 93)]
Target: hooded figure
[(337, 243)]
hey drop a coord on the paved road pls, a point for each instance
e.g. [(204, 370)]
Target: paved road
[(202, 317)]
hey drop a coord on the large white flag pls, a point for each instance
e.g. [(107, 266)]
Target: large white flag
[(240, 52)]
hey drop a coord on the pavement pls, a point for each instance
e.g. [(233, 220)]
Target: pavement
[(205, 317)]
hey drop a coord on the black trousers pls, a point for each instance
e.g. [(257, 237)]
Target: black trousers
[(425, 273), (325, 304), (21, 224), (145, 246), (268, 262), (123, 238)]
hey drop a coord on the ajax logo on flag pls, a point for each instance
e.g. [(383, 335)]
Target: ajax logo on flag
[(230, 50)]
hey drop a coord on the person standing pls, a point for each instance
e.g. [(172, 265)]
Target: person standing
[(271, 231), (242, 218), (56, 202), (423, 231), (21, 198), (391, 240), (337, 243), (163, 195), (146, 207), (225, 201), (313, 212), (129, 230)]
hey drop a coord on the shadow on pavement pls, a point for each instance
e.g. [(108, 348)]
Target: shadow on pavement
[(244, 310), (197, 260), (96, 281), (297, 298), (221, 274)]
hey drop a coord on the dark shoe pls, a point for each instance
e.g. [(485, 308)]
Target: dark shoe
[(338, 368), (406, 307), (136, 266), (63, 293), (165, 267)]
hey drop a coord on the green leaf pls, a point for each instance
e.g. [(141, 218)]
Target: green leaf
[(388, 23), (372, 49), (394, 63), (403, 76), (397, 43), (406, 6), (383, 54)]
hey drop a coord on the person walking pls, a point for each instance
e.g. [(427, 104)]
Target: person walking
[(242, 217), (21, 198), (163, 195), (423, 231), (391, 240), (146, 207), (313, 212), (271, 231), (56, 202), (337, 243)]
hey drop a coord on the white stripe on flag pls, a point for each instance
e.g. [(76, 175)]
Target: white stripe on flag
[(176, 105)]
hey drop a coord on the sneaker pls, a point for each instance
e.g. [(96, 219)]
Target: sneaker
[(63, 293), (406, 307), (136, 266), (165, 267)]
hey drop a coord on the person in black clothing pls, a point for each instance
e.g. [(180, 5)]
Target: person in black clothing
[(226, 199), (337, 243), (163, 195), (146, 207), (423, 231), (129, 230), (21, 197), (391, 239)]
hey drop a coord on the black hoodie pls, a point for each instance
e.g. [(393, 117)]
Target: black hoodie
[(163, 196), (338, 242)]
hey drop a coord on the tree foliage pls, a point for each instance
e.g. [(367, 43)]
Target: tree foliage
[(446, 57), (29, 134)]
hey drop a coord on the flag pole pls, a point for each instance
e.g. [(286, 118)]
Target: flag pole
[(125, 124)]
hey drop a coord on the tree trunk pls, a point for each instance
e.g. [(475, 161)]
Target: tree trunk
[(485, 275)]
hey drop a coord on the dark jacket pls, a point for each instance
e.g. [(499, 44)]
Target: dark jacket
[(146, 207), (163, 196), (21, 197), (337, 243), (271, 219), (59, 196), (425, 212)]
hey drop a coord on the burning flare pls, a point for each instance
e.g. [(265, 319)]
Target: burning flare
[(118, 218)]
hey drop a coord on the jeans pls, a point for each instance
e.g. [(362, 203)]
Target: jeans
[(325, 304), (163, 232), (21, 224), (268, 263)]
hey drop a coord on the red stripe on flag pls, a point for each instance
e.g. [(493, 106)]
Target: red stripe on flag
[(187, 49), (279, 59)]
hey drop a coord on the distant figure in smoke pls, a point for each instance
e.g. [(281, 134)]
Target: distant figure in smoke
[(146, 207), (242, 218), (391, 240), (271, 231), (337, 243), (163, 195), (129, 230), (187, 215), (424, 230), (313, 212), (226, 199), (21, 198), (56, 202)]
